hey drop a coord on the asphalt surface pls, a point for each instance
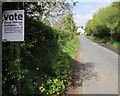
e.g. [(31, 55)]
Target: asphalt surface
[(100, 74)]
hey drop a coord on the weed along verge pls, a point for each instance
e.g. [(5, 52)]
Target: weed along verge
[(46, 55)]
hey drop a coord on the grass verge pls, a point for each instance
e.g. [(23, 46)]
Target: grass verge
[(71, 47), (114, 43)]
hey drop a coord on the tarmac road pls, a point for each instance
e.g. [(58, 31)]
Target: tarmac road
[(100, 75)]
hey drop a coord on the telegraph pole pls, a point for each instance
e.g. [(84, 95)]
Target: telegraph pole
[(14, 50)]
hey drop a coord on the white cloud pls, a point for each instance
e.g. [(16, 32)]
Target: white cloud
[(82, 19), (88, 6)]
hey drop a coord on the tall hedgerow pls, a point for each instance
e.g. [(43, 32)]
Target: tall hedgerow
[(44, 60)]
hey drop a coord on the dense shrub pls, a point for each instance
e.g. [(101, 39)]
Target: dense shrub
[(105, 23), (44, 61)]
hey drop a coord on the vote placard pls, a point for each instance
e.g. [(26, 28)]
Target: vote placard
[(13, 25)]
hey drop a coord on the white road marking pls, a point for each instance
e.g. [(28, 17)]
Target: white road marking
[(95, 44), (105, 49), (108, 50)]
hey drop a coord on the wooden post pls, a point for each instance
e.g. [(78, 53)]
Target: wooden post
[(17, 56), (15, 52)]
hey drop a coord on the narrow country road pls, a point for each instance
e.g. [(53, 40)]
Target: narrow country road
[(101, 71)]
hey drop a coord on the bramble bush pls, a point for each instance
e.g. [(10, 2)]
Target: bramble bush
[(44, 62)]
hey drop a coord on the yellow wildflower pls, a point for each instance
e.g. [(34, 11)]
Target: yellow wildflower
[(53, 91), (43, 90), (55, 80), (40, 87), (58, 93), (37, 68)]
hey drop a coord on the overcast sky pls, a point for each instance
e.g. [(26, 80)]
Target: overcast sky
[(84, 10)]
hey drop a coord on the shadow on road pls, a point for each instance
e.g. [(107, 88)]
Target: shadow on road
[(80, 72)]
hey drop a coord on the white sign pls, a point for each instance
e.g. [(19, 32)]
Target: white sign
[(13, 25)]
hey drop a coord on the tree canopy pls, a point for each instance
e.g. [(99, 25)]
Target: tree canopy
[(105, 22)]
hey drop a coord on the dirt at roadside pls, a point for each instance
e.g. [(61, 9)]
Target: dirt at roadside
[(80, 72), (76, 81)]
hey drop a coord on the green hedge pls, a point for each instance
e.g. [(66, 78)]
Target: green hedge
[(105, 23), (44, 62)]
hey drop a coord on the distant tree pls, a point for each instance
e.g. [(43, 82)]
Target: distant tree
[(51, 11), (105, 22), (67, 23)]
